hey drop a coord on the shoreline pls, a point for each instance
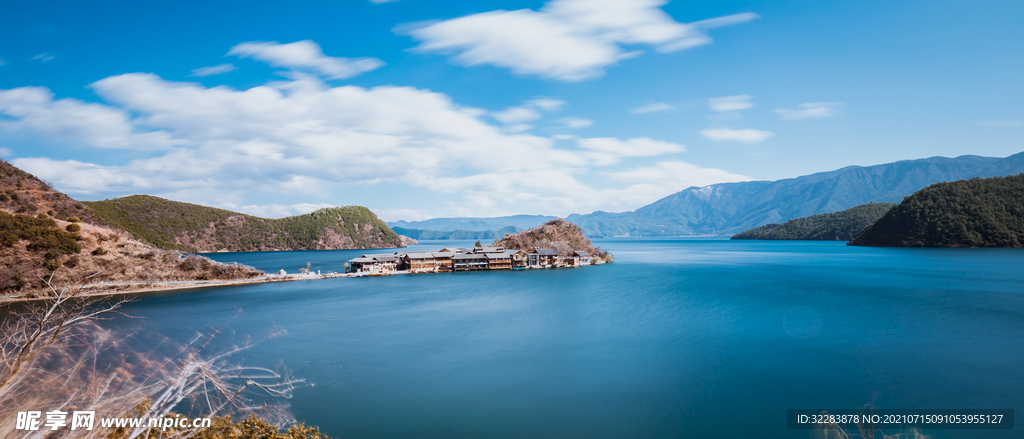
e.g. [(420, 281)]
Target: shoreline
[(113, 289)]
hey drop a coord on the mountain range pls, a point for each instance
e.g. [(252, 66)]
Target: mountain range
[(728, 208), (474, 224)]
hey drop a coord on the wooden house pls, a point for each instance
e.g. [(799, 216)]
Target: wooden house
[(499, 261), (469, 262), (548, 257)]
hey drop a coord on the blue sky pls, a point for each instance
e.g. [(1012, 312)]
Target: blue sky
[(421, 109)]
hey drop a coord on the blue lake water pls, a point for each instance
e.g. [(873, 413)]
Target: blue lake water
[(695, 338)]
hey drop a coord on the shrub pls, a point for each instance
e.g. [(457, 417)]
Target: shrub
[(4, 198), (73, 227), (100, 251), (51, 264), (72, 262), (42, 216), (73, 219), (193, 263), (257, 428)]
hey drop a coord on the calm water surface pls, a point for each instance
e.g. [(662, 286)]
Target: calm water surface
[(694, 338)]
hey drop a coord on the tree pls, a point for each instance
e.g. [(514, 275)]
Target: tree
[(55, 354)]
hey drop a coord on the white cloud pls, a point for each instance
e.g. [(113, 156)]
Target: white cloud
[(730, 103), (292, 144), (1004, 123), (305, 56), (34, 111), (576, 122), (744, 135), (280, 210), (43, 57), (636, 147), (569, 40), (4, 152), (652, 108), (810, 110), (665, 177), (678, 174), (516, 114), (213, 70)]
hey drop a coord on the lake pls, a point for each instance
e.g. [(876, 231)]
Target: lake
[(688, 337)]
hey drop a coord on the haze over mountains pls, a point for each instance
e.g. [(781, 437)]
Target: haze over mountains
[(475, 224), (729, 208)]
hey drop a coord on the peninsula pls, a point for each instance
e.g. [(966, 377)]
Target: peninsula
[(555, 244)]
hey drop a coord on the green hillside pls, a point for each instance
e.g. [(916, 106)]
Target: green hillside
[(967, 213), (838, 226), (193, 228)]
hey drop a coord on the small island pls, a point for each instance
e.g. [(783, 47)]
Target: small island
[(555, 244)]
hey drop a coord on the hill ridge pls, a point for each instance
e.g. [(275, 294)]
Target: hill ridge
[(192, 227)]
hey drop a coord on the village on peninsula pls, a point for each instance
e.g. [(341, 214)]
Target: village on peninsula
[(465, 259), (556, 244)]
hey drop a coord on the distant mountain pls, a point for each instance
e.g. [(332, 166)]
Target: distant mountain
[(969, 213), (839, 226), (474, 224), (728, 208), (190, 227), (455, 234)]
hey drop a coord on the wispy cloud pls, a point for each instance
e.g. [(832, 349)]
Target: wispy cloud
[(546, 104), (529, 111), (730, 103), (636, 147), (1002, 123), (305, 57), (810, 110), (4, 152), (652, 108), (569, 40), (43, 57), (213, 70), (516, 114), (576, 122), (742, 135)]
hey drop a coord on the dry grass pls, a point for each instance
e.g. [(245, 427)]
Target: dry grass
[(110, 256), (54, 355)]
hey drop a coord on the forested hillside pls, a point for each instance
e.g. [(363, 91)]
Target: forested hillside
[(968, 213), (190, 227), (839, 226)]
